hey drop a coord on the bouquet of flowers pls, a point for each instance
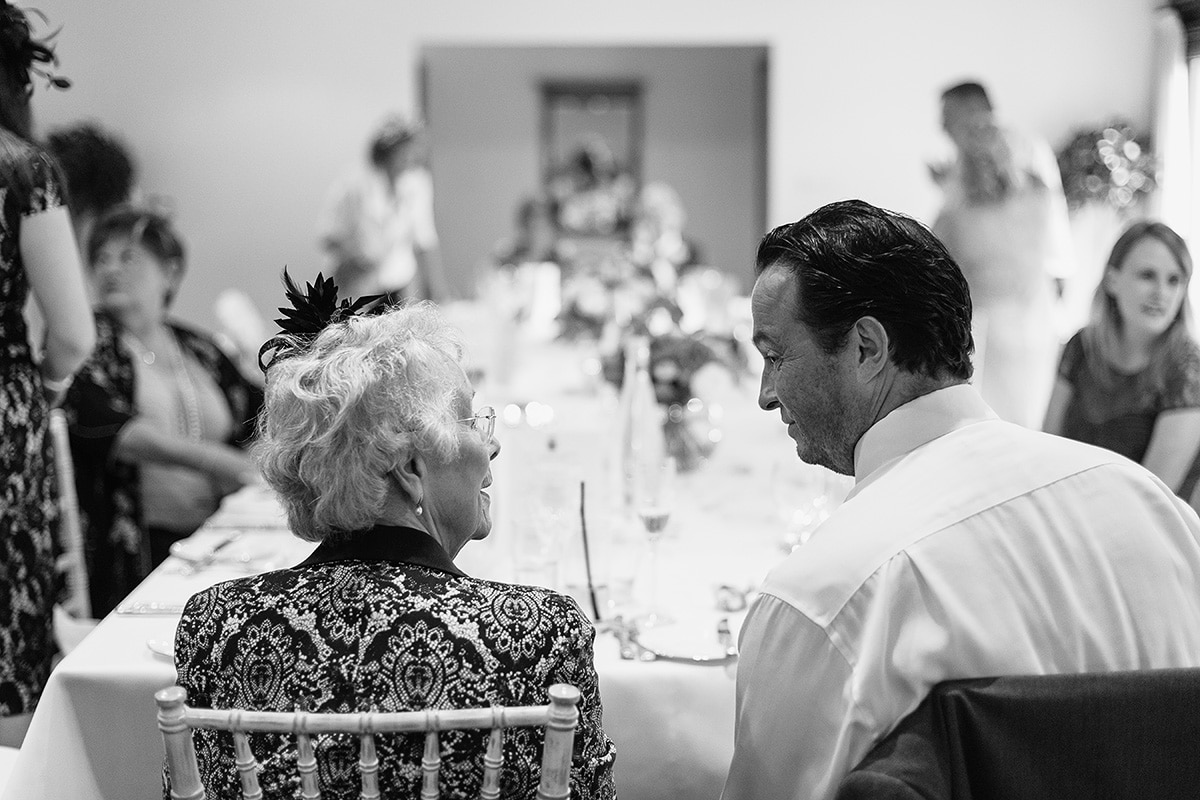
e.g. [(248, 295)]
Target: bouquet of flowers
[(676, 356), (1106, 165)]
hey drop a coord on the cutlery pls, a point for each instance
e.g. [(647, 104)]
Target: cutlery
[(149, 608)]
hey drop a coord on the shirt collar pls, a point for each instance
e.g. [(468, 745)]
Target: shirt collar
[(917, 422), (386, 543)]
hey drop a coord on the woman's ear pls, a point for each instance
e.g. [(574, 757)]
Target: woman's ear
[(409, 476), (1106, 280), (174, 272)]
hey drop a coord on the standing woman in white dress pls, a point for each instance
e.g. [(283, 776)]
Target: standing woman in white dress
[(37, 256)]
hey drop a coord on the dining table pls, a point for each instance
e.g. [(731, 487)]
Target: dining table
[(667, 689)]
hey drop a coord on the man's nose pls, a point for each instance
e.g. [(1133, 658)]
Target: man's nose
[(767, 399)]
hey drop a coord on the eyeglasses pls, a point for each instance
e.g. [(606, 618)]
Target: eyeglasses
[(483, 422)]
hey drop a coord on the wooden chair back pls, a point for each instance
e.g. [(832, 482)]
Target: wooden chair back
[(560, 717), (71, 529)]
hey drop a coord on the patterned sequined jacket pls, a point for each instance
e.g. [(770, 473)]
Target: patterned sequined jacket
[(384, 621)]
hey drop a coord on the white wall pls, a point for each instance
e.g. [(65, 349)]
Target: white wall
[(244, 111)]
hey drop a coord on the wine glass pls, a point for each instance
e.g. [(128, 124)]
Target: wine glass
[(654, 498)]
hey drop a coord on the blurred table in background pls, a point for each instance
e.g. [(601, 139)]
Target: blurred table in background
[(94, 733)]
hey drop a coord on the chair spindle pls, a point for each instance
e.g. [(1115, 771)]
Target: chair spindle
[(245, 762), (431, 763), (177, 738), (493, 759), (368, 762), (306, 760), (560, 741)]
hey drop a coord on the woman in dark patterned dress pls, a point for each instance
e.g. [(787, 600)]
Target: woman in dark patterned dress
[(1130, 380), (369, 437), (38, 253)]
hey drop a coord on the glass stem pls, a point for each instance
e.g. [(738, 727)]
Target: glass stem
[(654, 611)]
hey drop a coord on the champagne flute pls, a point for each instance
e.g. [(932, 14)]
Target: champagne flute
[(654, 494)]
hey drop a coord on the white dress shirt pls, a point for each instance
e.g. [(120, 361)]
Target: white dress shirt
[(969, 547)]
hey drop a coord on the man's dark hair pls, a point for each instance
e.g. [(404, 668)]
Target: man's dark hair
[(854, 260), (968, 91), (391, 136), (98, 169)]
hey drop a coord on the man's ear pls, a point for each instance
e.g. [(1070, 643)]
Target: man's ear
[(869, 339)]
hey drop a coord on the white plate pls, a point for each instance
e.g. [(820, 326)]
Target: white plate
[(693, 640), (163, 649)]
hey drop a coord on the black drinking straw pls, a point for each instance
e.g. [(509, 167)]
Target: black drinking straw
[(587, 556)]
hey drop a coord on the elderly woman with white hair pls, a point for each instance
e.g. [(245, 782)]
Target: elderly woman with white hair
[(369, 438)]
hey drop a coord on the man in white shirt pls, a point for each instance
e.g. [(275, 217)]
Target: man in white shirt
[(377, 225), (969, 546)]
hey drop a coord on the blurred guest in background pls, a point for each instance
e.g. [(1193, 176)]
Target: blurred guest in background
[(38, 255), (369, 437), (535, 240), (377, 227), (1004, 219), (99, 171), (591, 194), (157, 414), (1130, 380)]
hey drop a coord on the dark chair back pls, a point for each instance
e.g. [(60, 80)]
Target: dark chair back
[(1113, 736)]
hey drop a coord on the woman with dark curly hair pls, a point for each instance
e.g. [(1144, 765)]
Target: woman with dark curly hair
[(38, 256)]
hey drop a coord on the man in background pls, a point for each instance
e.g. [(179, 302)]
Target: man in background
[(969, 546), (377, 226), (1004, 219)]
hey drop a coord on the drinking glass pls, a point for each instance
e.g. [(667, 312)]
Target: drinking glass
[(654, 498)]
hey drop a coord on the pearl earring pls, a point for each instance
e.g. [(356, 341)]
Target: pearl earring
[(420, 508)]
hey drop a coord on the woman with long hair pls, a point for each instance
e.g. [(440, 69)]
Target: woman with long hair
[(1130, 380), (37, 256)]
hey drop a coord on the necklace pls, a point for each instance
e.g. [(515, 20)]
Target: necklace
[(184, 385), (145, 354)]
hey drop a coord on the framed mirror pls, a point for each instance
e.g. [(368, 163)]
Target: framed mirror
[(591, 154)]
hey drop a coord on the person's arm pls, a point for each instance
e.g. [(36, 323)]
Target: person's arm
[(47, 244), (1060, 246), (416, 188), (141, 440), (1174, 443), (793, 732), (433, 276), (1056, 410)]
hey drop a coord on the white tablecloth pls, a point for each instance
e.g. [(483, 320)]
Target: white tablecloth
[(94, 733)]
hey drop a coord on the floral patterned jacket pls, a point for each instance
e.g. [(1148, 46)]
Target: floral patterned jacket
[(384, 621), (98, 405)]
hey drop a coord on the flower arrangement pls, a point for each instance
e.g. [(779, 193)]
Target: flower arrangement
[(676, 356), (1108, 165)]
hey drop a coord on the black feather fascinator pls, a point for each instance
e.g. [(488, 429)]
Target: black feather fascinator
[(19, 51), (313, 310)]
